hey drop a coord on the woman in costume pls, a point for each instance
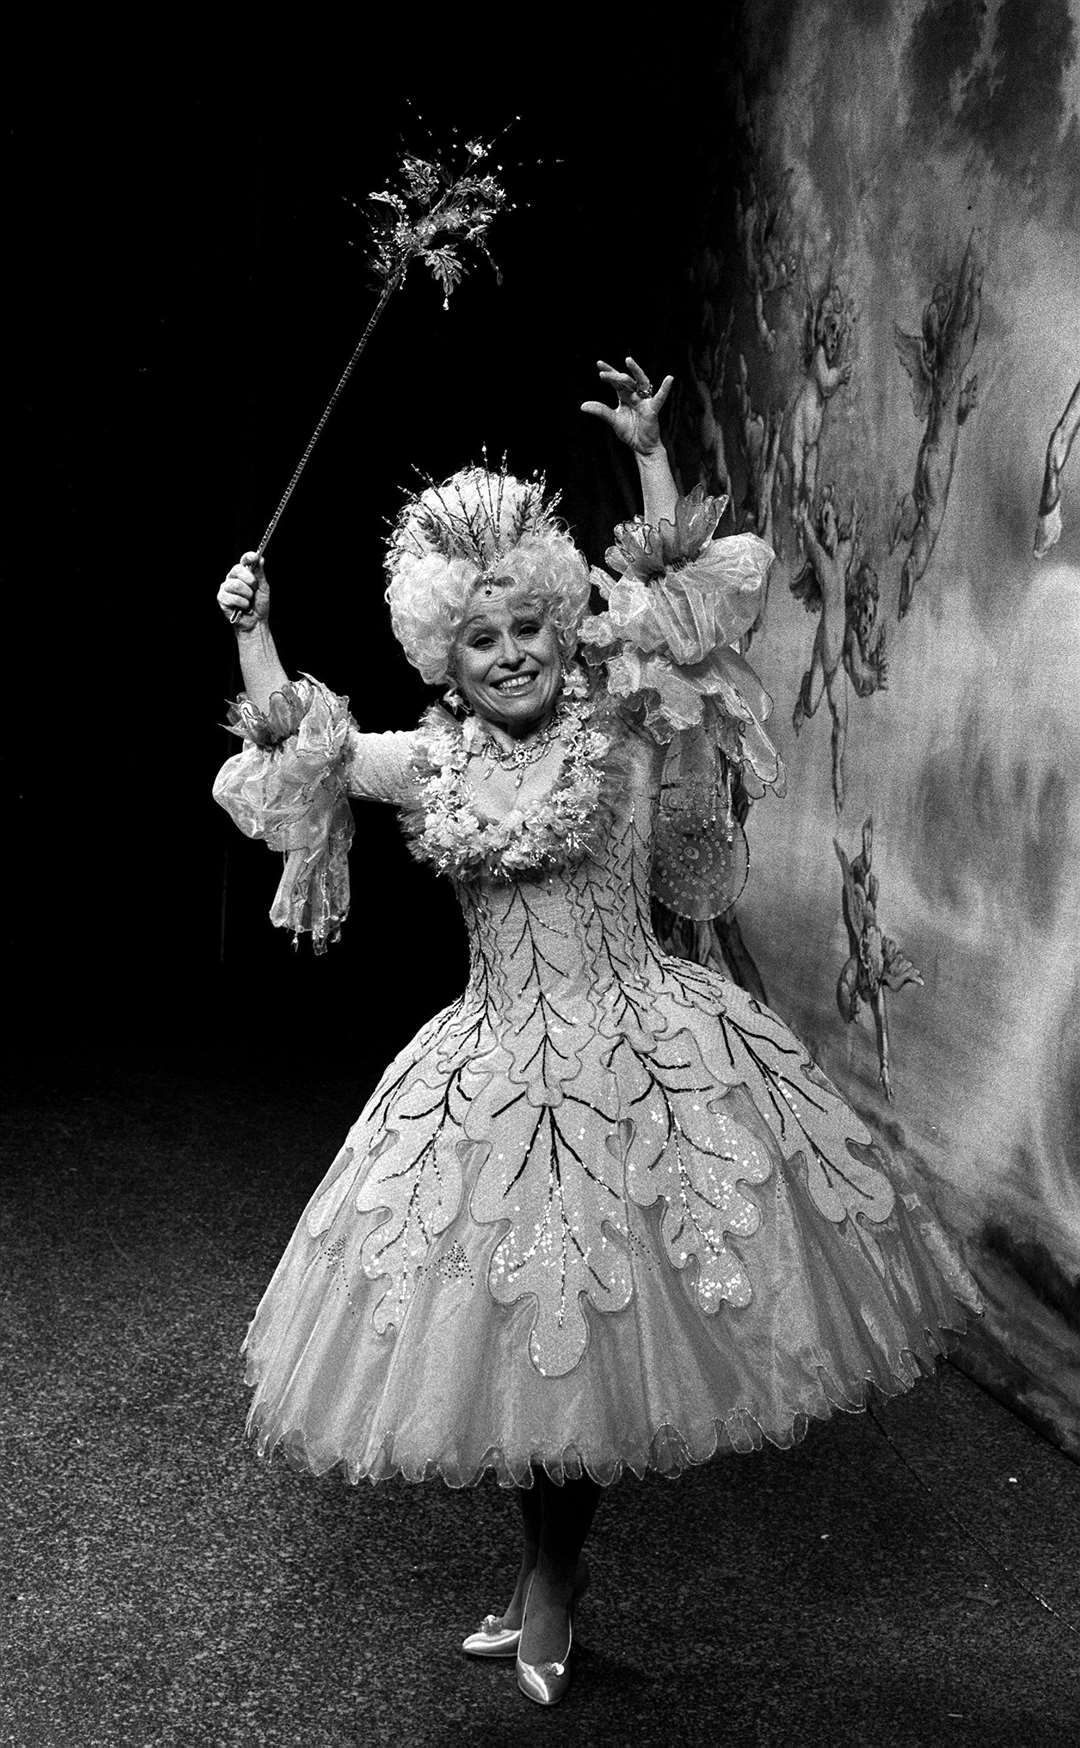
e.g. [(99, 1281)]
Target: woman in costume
[(603, 1212)]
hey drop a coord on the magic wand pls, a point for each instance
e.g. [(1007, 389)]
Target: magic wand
[(431, 214)]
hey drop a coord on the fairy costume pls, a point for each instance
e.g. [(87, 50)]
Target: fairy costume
[(603, 1211)]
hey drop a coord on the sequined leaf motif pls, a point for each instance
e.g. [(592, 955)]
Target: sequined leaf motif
[(804, 1111), (550, 1176), (422, 1193), (417, 1176), (687, 1146)]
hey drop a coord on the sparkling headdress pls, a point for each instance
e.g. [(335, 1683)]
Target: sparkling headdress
[(478, 524)]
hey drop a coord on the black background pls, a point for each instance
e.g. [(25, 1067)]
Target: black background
[(185, 295)]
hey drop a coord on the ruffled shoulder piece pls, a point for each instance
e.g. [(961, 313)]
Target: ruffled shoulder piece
[(445, 829), (680, 599), (305, 708), (287, 788)]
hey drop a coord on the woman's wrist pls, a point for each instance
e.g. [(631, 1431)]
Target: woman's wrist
[(260, 663), (252, 636), (658, 490)]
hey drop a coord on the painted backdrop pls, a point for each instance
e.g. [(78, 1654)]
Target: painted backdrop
[(884, 311)]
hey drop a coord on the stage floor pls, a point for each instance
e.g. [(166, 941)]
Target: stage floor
[(878, 1584)]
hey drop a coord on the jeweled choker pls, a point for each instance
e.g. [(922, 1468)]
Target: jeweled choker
[(526, 752)]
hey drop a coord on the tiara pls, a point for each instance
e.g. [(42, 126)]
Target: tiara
[(479, 514)]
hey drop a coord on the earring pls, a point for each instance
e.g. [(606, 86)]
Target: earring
[(454, 701)]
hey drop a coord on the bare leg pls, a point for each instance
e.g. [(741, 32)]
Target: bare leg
[(813, 685), (567, 1516)]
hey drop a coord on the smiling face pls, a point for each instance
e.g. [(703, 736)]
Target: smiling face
[(507, 660)]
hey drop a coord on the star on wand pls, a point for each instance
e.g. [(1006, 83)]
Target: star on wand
[(429, 213)]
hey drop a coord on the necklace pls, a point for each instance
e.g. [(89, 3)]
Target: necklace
[(555, 832), (526, 753)]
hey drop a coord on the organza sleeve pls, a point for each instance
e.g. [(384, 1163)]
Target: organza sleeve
[(290, 787), (678, 604)]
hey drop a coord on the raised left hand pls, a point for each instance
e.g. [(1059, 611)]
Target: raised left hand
[(635, 418)]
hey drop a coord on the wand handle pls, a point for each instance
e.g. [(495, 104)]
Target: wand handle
[(385, 295)]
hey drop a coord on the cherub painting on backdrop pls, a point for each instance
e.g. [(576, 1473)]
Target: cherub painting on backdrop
[(935, 360), (829, 321), (842, 588), (875, 963)]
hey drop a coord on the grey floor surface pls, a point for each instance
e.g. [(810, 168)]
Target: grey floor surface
[(880, 1584)]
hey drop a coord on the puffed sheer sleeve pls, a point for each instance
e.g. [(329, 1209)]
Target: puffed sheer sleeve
[(677, 605), (290, 786)]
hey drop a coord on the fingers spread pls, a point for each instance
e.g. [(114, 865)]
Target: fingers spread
[(618, 379), (631, 385)]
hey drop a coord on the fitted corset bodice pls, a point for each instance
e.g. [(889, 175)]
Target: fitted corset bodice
[(577, 933)]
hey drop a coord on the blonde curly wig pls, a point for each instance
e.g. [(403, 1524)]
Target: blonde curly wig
[(478, 525)]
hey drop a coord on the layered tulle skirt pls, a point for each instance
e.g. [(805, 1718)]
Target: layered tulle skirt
[(419, 1358)]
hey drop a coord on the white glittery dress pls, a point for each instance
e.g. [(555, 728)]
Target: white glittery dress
[(603, 1211)]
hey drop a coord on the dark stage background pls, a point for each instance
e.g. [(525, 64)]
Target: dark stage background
[(185, 298)]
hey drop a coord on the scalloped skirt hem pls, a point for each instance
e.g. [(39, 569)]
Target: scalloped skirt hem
[(670, 1451)]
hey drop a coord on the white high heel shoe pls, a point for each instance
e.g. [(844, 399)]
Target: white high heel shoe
[(492, 1639), (547, 1683)]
